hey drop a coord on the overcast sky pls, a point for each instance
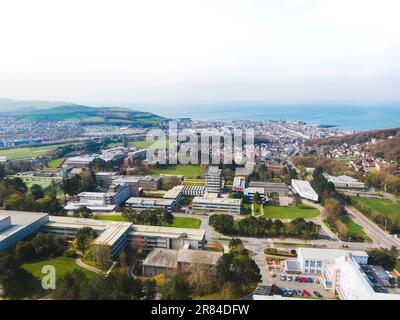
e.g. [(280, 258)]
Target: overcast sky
[(181, 51)]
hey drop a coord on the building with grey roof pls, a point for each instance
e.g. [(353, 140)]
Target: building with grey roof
[(17, 225)]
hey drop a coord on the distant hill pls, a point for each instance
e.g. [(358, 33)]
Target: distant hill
[(8, 105), (60, 111), (355, 138), (389, 148)]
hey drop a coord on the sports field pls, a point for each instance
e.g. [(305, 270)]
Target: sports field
[(28, 152)]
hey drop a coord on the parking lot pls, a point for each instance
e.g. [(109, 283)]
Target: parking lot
[(291, 284)]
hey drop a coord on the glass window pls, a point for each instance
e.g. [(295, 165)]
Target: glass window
[(312, 264), (319, 264), (307, 263)]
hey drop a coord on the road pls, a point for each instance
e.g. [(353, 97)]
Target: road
[(257, 245), (379, 236)]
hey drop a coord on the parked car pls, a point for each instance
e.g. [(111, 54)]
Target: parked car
[(317, 281), (310, 280), (299, 293), (317, 294), (306, 293), (296, 278), (289, 278), (283, 277), (303, 279)]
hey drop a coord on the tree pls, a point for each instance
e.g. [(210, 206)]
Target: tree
[(37, 191), (17, 184), (256, 198), (177, 288), (386, 258), (71, 186), (84, 237), (53, 190), (168, 217), (149, 289), (88, 181), (82, 212), (222, 223)]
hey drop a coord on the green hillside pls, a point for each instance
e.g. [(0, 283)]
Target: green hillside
[(90, 115)]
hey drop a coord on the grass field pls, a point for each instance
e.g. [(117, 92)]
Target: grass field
[(43, 182), (144, 144), (385, 207), (194, 182), (179, 222), (302, 211), (56, 163), (188, 171), (28, 152), (353, 227), (61, 264)]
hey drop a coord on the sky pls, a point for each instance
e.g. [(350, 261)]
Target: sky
[(158, 52)]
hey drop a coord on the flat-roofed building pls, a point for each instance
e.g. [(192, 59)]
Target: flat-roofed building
[(169, 260), (79, 161), (213, 179), (140, 203), (114, 235), (345, 182), (271, 186), (211, 202), (146, 182), (304, 190), (194, 191), (106, 179), (251, 191), (239, 184), (17, 225), (150, 237)]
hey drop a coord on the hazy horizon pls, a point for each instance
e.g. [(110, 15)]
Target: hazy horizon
[(177, 52)]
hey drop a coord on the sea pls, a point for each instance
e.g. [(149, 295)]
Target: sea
[(344, 117)]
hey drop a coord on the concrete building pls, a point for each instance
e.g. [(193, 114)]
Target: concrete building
[(101, 201), (146, 182), (213, 179), (140, 203), (169, 202), (271, 186), (79, 162), (194, 191), (113, 236), (342, 271), (106, 179), (169, 260), (239, 184), (211, 202), (345, 182), (251, 191), (17, 225), (304, 190)]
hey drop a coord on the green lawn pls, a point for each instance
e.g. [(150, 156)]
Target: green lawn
[(179, 222), (385, 207), (56, 163), (188, 171), (144, 144), (61, 264), (302, 211), (185, 222), (194, 182), (41, 181), (353, 227), (28, 152)]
